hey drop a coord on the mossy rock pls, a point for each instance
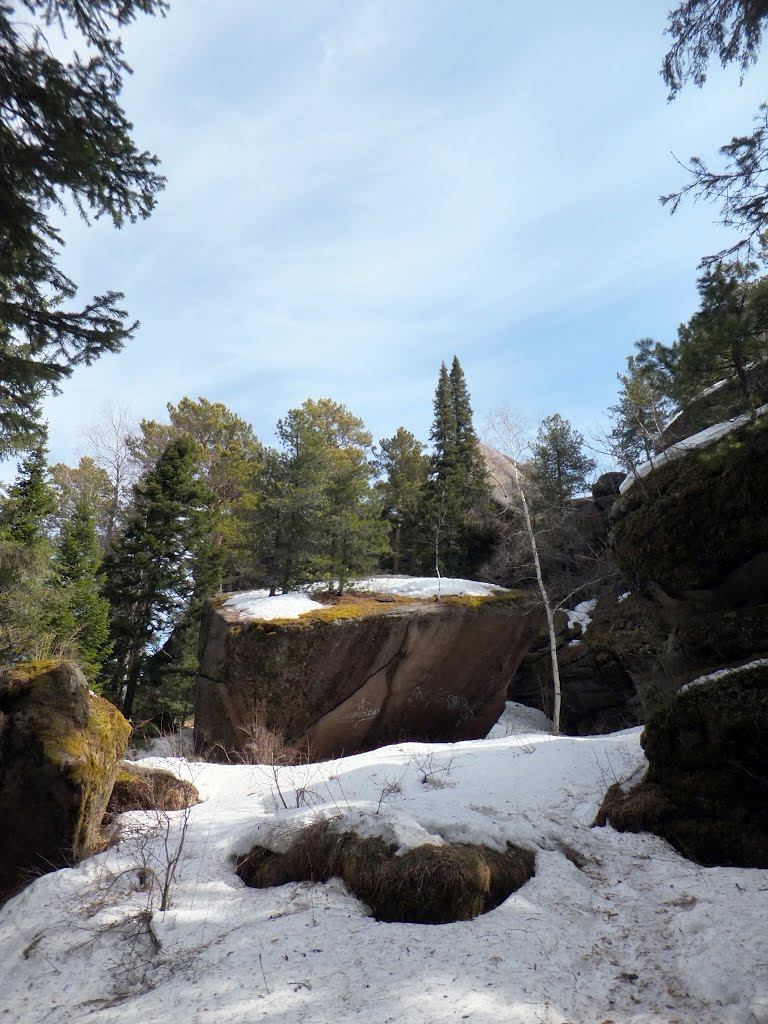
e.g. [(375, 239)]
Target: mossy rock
[(59, 749), (426, 885), (706, 790), (692, 522), (140, 788)]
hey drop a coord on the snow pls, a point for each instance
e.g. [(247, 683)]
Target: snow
[(257, 604), (580, 615), (425, 586), (635, 935), (677, 451), (623, 597), (722, 673)]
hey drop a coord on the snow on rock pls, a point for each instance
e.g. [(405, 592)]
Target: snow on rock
[(676, 451), (520, 720), (711, 677), (257, 604), (580, 615), (425, 586), (634, 934)]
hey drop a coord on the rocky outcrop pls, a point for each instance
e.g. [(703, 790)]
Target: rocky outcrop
[(358, 675), (694, 537), (59, 750), (598, 693)]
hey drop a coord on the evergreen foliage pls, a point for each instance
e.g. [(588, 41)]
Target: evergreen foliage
[(26, 598), (85, 483), (643, 409), (64, 138), (150, 570), (456, 499), (405, 470), (82, 612), (559, 466), (731, 31)]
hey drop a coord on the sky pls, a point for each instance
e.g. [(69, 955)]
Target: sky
[(360, 189)]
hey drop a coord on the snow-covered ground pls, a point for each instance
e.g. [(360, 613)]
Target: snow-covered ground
[(634, 934), (257, 604)]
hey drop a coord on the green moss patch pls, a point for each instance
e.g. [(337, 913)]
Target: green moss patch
[(426, 885)]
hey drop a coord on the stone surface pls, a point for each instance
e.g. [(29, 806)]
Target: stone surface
[(354, 678), (694, 540), (598, 693), (59, 750)]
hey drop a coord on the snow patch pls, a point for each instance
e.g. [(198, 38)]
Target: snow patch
[(580, 615), (722, 673), (425, 586), (680, 448), (257, 604)]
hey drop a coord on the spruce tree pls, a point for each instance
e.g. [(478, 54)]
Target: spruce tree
[(457, 497), (150, 570)]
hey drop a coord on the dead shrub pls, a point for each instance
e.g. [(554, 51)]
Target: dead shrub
[(426, 885), (149, 789)]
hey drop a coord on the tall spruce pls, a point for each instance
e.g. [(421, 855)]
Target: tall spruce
[(150, 577), (457, 497)]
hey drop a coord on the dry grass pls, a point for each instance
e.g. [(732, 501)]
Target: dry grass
[(426, 885), (150, 789)]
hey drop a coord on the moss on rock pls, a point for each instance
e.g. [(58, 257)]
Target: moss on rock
[(58, 760), (138, 788)]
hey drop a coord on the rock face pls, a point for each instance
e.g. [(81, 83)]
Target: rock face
[(355, 677), (598, 693), (59, 750), (695, 538)]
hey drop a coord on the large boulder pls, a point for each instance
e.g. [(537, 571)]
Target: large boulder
[(693, 537), (59, 750), (357, 675)]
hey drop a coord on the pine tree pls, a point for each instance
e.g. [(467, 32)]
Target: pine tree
[(559, 466), (150, 570), (405, 470), (65, 141), (642, 411), (83, 614)]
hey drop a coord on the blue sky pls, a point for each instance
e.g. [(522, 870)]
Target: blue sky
[(358, 189)]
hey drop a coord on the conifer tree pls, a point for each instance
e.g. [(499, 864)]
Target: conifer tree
[(405, 470), (456, 499), (643, 410), (26, 597), (83, 613), (150, 570), (559, 465), (65, 141)]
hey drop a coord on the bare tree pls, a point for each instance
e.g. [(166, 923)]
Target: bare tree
[(507, 434), (108, 442)]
